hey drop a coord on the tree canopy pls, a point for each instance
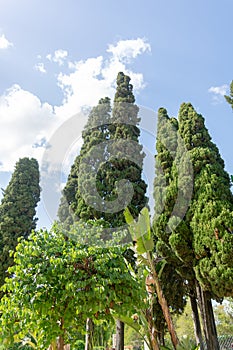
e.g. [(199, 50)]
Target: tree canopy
[(56, 284)]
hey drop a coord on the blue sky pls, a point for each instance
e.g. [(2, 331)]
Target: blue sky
[(57, 56)]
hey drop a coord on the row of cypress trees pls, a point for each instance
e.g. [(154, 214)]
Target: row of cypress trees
[(200, 246), (197, 244)]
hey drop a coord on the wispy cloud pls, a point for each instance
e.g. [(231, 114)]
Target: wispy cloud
[(4, 43), (218, 92), (40, 67), (59, 56)]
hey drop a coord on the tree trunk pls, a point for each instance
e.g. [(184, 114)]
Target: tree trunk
[(153, 339), (153, 333), (120, 332), (89, 334), (163, 303), (60, 343), (161, 337), (196, 321), (208, 319)]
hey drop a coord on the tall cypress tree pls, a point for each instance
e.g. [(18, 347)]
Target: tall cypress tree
[(210, 217), (107, 159), (174, 242), (170, 206), (107, 175), (211, 212), (125, 132), (195, 245), (18, 209)]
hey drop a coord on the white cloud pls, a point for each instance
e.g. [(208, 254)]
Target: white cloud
[(219, 90), (218, 93), (26, 124), (96, 77), (126, 50), (40, 67), (4, 43), (59, 56), (24, 120)]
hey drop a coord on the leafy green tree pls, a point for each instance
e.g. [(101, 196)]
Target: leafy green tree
[(18, 209), (57, 284)]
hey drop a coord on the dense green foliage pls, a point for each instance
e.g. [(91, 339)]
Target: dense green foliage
[(18, 209), (172, 188), (211, 210), (98, 188), (177, 272), (73, 206), (202, 242), (198, 243), (59, 283)]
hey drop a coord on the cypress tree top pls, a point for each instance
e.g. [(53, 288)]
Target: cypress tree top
[(94, 191)]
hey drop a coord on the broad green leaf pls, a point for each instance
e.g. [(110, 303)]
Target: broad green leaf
[(140, 230)]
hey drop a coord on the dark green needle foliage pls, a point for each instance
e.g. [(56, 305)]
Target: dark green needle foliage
[(211, 211), (165, 194), (125, 159), (202, 242), (73, 206), (171, 185), (199, 245), (107, 174), (18, 209)]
